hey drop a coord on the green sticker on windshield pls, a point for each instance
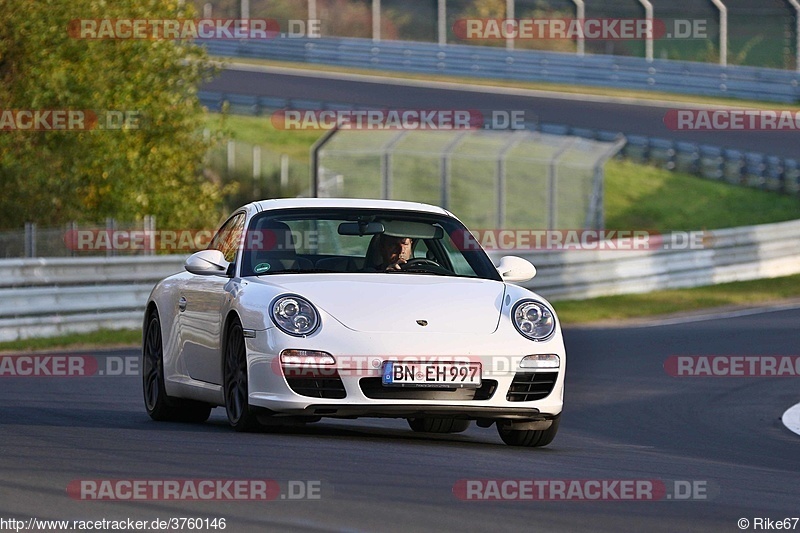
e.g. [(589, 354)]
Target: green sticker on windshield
[(261, 267)]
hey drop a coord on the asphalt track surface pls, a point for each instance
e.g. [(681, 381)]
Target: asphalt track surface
[(625, 418), (626, 118)]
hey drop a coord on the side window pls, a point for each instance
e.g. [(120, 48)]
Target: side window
[(228, 237)]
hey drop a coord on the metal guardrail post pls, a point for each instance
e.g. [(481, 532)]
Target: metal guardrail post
[(723, 32)]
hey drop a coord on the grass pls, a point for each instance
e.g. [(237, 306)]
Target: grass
[(261, 131), (644, 197), (105, 337), (741, 293)]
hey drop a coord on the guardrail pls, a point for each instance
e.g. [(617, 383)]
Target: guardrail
[(44, 297), (526, 65), (51, 296)]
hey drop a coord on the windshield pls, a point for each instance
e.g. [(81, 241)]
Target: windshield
[(366, 241)]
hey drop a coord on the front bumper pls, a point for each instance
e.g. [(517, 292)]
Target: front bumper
[(352, 387)]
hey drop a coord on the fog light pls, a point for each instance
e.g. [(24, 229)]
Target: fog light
[(540, 361), (306, 357)]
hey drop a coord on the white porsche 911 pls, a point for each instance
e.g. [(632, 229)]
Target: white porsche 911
[(308, 308)]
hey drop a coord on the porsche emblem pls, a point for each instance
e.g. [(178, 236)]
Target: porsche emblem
[(422, 322)]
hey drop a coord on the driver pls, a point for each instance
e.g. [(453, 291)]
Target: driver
[(394, 251)]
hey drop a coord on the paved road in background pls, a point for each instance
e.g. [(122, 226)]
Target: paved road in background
[(625, 118), (625, 418)]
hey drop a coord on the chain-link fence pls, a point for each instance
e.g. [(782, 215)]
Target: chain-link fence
[(490, 179), (252, 172)]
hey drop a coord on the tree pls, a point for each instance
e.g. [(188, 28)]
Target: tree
[(51, 177)]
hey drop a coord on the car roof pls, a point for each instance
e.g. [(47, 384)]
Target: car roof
[(347, 203)]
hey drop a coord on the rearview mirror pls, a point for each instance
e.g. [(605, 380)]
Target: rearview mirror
[(207, 263), (515, 269), (360, 228)]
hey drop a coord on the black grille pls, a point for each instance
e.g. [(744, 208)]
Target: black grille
[(373, 388), (530, 386), (317, 387)]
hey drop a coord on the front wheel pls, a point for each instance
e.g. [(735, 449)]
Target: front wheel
[(240, 415), (531, 438), (158, 405)]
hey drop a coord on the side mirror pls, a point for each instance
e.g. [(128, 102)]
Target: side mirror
[(207, 263), (515, 269)]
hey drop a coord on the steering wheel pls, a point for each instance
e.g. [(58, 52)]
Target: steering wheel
[(419, 261)]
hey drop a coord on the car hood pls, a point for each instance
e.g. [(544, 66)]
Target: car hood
[(396, 302)]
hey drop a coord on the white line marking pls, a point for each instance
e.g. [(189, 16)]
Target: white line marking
[(791, 419)]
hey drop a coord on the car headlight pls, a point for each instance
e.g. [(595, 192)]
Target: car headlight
[(294, 315), (533, 319)]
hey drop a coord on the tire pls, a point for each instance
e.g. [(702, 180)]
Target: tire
[(159, 406), (530, 438), (241, 416), (438, 425)]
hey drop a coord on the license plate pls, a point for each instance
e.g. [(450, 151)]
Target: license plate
[(444, 375)]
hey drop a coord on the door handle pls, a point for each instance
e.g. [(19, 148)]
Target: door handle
[(182, 304)]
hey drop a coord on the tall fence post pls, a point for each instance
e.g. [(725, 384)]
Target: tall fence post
[(441, 17), (376, 21), (510, 16), (796, 6), (723, 32), (149, 224), (231, 157), (284, 172), (111, 225), (580, 13), (30, 239), (648, 15), (256, 171)]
